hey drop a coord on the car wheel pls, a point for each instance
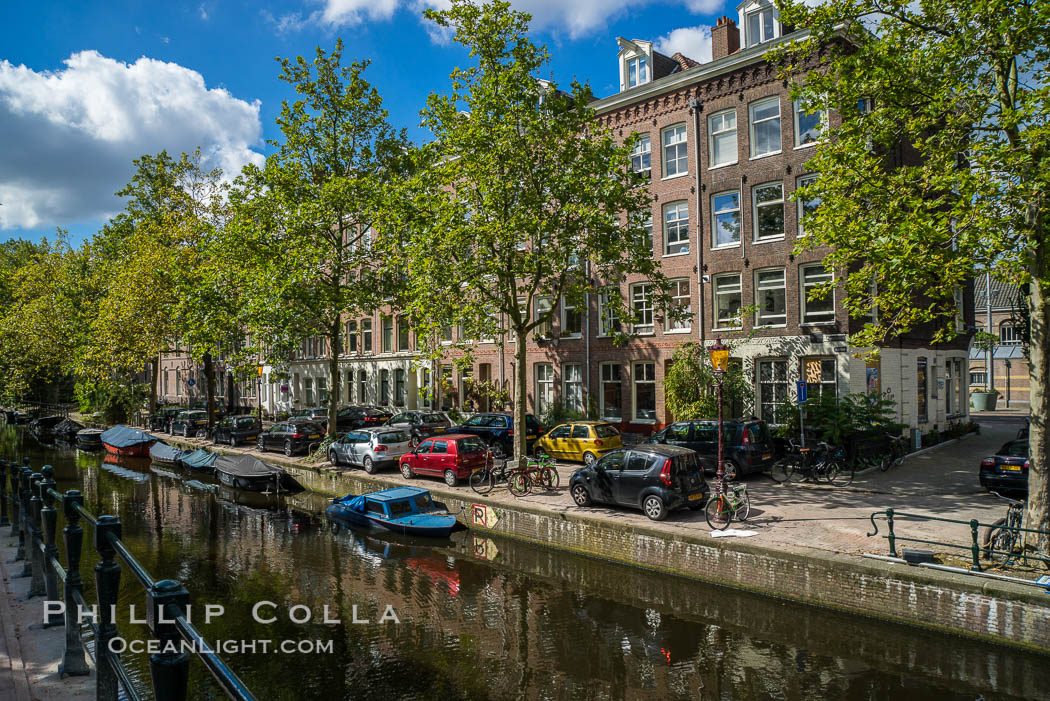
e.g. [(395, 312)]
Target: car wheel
[(233, 441), (730, 471), (406, 471), (262, 446), (333, 457), (540, 452), (370, 467), (654, 508), (288, 448), (450, 478), (588, 459), (581, 496), (185, 431)]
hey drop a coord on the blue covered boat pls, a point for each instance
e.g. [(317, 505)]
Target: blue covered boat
[(200, 460), (165, 454), (399, 509)]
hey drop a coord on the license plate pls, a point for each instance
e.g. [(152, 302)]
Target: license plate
[(314, 436), (767, 456), (1010, 468), (439, 430), (696, 497), (251, 438)]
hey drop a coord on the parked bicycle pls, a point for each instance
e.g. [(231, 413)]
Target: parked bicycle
[(727, 504), (484, 479), (896, 451), (1002, 539), (823, 463), (537, 472)]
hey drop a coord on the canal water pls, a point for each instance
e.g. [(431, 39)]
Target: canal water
[(482, 618)]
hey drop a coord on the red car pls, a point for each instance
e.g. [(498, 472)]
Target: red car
[(453, 457)]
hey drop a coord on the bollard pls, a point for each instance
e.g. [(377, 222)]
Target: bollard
[(49, 523), (15, 513), (3, 494), (107, 584), (36, 539), (168, 670), (25, 538), (74, 661), (891, 537), (976, 551)]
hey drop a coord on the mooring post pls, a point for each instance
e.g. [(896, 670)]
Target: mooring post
[(974, 549), (168, 669), (3, 494), (49, 519), (107, 584), (74, 661), (36, 537), (891, 537), (25, 537), (15, 473)]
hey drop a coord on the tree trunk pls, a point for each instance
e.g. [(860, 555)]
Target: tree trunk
[(209, 388), (333, 377), (519, 396), (1038, 375), (153, 385)]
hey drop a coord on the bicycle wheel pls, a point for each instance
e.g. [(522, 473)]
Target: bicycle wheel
[(998, 542), (482, 481), (781, 470), (551, 479), (800, 471), (743, 509), (840, 475), (519, 484), (718, 512)]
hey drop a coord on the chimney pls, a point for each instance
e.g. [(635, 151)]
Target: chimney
[(725, 38)]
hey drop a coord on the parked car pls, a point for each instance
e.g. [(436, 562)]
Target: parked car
[(421, 424), (454, 457), (161, 421), (368, 416), (747, 446), (582, 441), (189, 423), (290, 436), (237, 429), (317, 414), (654, 478), (1007, 470), (497, 430), (371, 448)]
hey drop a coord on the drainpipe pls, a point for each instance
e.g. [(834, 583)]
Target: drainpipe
[(694, 104), (989, 377), (587, 354)]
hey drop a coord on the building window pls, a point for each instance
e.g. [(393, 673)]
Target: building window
[(641, 156), (447, 395), (572, 386), (308, 391), (727, 301), (322, 390), (349, 386), (366, 335), (644, 391), (979, 378), (922, 390), (722, 130), (1009, 334), (425, 391), (819, 376), (166, 374), (637, 71), (351, 337), (770, 297), (384, 386), (808, 126), (725, 213), (821, 310), (612, 392), (399, 387), (681, 300), (676, 151), (806, 205), (402, 335), (676, 228), (769, 211), (543, 329), (647, 225), (765, 127), (362, 387), (544, 387), (760, 26), (388, 333), (772, 390), (571, 319), (608, 323), (642, 304)]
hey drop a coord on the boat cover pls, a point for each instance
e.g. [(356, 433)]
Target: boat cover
[(354, 503), (68, 427), (200, 459), (245, 466), (46, 422), (126, 436), (162, 452)]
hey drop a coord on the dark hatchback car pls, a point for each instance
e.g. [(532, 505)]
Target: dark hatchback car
[(189, 423), (746, 445), (420, 424), (161, 421), (1007, 470), (654, 478), (237, 429), (290, 436), (316, 414), (497, 430)]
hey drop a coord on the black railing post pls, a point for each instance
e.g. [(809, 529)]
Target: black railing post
[(25, 538), (891, 537), (74, 662), (974, 549), (107, 584), (36, 537), (15, 512), (49, 520), (3, 494), (169, 670)]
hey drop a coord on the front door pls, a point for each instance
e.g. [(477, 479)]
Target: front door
[(438, 460), (607, 476)]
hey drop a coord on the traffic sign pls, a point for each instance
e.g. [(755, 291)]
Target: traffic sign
[(802, 393), (190, 382)]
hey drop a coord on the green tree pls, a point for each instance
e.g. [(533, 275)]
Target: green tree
[(524, 201), (944, 176), (304, 222), (691, 390)]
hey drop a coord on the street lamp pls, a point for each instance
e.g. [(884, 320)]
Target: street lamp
[(258, 392), (719, 363)]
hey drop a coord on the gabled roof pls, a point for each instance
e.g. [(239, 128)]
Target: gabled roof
[(1004, 295)]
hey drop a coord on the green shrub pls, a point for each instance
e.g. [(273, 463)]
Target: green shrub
[(691, 390), (557, 413)]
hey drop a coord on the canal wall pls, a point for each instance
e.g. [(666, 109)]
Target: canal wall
[(985, 609)]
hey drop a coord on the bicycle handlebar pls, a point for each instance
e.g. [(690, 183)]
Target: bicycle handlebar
[(1012, 502)]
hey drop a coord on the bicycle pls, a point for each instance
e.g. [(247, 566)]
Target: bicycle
[(824, 463), (723, 507), (537, 471), (895, 455), (484, 479), (1002, 538)]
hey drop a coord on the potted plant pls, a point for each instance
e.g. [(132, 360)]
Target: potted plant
[(984, 400)]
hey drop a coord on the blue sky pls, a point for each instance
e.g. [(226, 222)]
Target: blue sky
[(85, 87)]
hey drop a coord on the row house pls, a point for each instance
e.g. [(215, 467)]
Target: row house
[(997, 310)]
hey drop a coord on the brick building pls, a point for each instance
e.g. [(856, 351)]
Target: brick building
[(998, 313)]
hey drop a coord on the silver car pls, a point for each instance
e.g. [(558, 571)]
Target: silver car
[(371, 448)]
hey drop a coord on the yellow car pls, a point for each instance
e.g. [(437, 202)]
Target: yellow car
[(584, 441)]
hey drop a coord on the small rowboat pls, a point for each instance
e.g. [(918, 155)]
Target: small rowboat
[(90, 438), (164, 454), (253, 475), (127, 442), (408, 510)]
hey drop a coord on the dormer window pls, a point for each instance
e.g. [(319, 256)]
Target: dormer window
[(639, 64), (637, 71), (759, 20)]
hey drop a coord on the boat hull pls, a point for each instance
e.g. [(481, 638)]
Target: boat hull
[(437, 526), (132, 451)]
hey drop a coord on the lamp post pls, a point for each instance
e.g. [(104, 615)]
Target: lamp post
[(258, 392), (719, 363)]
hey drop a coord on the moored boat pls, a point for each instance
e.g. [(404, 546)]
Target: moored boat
[(200, 460), (252, 474), (165, 454), (45, 425), (67, 429), (90, 438), (408, 510), (128, 442)]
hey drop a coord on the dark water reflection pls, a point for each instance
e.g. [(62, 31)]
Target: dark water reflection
[(492, 619)]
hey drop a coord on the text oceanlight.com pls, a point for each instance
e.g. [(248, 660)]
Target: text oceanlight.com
[(221, 647)]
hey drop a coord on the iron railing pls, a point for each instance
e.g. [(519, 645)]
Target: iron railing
[(34, 520)]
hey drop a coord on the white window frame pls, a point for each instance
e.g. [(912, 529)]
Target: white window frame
[(607, 324), (572, 386), (1010, 334), (816, 388), (605, 377), (751, 126), (760, 287), (676, 232), (822, 119), (761, 388), (720, 130), (720, 281), (749, 38), (543, 375), (716, 213), (640, 64), (366, 335), (758, 238), (566, 308), (804, 285), (802, 204), (647, 224), (542, 306), (642, 372), (642, 155), (680, 145), (642, 301), (680, 298)]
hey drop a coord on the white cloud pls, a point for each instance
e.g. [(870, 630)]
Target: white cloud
[(340, 13), (70, 135), (203, 12), (694, 42), (708, 7)]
